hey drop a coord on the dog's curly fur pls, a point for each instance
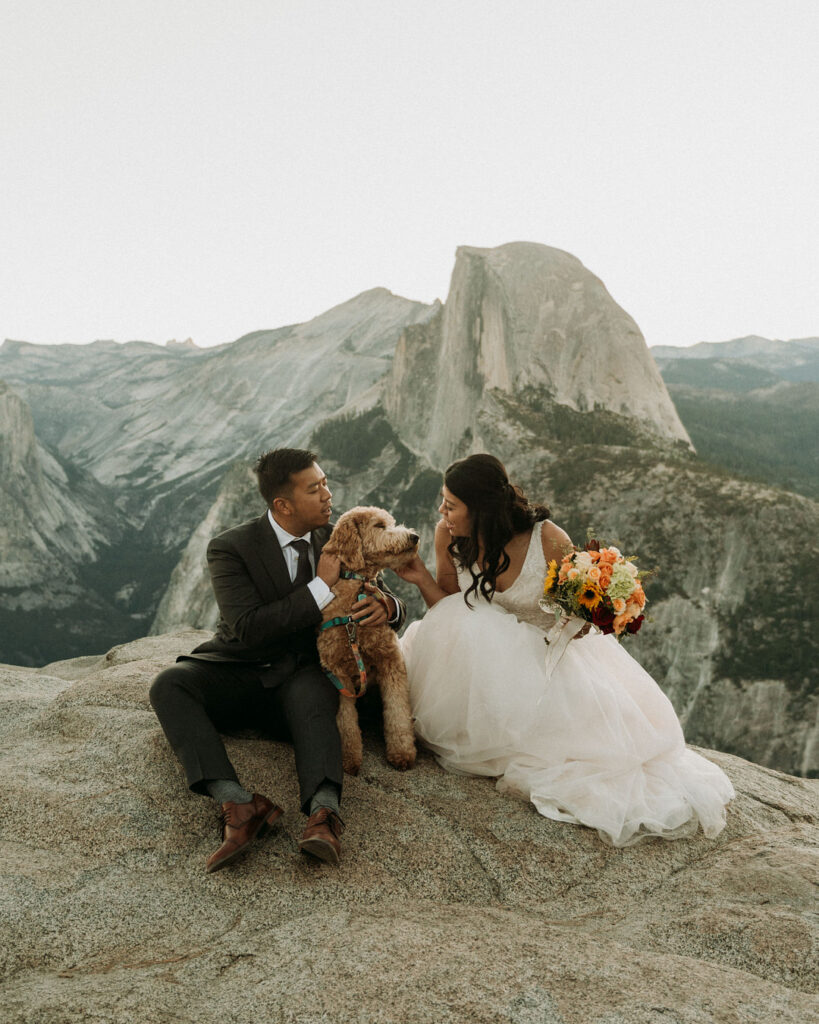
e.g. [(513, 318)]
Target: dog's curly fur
[(366, 539)]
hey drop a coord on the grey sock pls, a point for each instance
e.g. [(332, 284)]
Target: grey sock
[(327, 795), (226, 790)]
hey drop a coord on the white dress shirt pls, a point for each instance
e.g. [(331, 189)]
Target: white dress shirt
[(317, 587)]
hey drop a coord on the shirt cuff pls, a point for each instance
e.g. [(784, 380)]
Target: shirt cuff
[(397, 615), (322, 594)]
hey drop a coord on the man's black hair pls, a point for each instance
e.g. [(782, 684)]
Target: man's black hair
[(275, 468)]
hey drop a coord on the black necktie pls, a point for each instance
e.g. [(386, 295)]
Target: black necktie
[(304, 571)]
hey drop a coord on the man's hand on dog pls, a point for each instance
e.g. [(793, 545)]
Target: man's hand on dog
[(329, 568), (372, 610)]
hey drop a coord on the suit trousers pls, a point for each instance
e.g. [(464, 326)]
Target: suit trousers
[(193, 700)]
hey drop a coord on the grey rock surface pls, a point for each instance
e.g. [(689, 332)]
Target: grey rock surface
[(522, 318), (452, 903)]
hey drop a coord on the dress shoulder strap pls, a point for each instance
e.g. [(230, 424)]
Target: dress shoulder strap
[(535, 556)]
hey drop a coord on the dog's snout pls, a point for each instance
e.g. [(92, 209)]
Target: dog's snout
[(414, 538)]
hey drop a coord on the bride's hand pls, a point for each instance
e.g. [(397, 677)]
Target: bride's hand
[(414, 572)]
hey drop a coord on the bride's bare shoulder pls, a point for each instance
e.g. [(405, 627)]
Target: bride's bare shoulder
[(556, 542)]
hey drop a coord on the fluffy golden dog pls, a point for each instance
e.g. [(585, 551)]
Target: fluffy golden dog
[(367, 540)]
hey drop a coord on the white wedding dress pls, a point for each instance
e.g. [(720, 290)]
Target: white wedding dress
[(596, 743)]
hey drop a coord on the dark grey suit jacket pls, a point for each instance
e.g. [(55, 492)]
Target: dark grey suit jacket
[(264, 618)]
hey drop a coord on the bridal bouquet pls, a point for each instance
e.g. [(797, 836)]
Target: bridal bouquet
[(597, 585)]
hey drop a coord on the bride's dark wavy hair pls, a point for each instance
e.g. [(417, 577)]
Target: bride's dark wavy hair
[(499, 512)]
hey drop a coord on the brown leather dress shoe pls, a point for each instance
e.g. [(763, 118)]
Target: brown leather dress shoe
[(321, 835), (241, 824)]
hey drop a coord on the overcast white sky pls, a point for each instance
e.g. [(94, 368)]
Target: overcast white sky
[(206, 168)]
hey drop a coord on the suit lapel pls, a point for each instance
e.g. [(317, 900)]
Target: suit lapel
[(271, 556), (318, 538)]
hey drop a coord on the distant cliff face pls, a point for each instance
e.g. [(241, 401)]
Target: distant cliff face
[(528, 322), (43, 520), (141, 437), (149, 420), (751, 406), (24, 488), (54, 523), (188, 598)]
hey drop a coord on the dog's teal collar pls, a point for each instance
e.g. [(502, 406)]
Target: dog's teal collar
[(377, 592), (348, 574)]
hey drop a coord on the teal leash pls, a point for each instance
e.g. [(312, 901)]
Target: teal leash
[(351, 626)]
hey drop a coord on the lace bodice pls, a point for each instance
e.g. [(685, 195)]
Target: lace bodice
[(521, 598)]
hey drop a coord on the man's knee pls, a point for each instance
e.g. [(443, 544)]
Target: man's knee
[(167, 683), (322, 690), (312, 692)]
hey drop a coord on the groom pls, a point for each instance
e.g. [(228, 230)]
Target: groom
[(271, 581)]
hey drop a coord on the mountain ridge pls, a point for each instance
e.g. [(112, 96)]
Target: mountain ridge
[(522, 316), (752, 407), (529, 357)]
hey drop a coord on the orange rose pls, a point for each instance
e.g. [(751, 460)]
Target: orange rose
[(593, 574), (595, 556), (605, 576), (619, 606), (608, 557), (620, 622)]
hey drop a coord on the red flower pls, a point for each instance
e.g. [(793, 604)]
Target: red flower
[(634, 625), (603, 618)]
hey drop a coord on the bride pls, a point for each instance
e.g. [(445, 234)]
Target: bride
[(597, 742)]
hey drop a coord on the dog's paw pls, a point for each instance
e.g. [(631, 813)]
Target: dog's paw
[(351, 766), (402, 760)]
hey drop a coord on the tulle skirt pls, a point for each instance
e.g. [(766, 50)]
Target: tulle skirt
[(596, 743)]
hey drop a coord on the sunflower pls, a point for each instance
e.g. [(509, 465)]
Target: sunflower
[(589, 596), (551, 576)]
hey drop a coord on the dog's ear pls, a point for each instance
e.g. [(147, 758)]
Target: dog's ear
[(345, 543)]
